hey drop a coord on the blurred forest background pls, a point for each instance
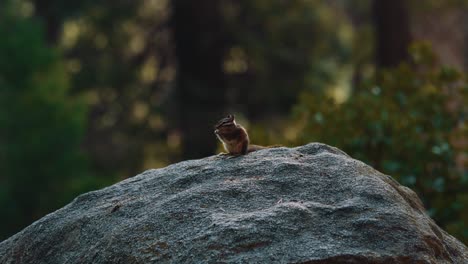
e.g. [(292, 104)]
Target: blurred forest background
[(93, 92)]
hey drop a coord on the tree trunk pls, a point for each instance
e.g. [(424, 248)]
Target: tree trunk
[(392, 32), (51, 21), (200, 93)]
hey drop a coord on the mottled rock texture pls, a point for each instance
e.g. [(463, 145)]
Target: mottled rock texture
[(310, 204)]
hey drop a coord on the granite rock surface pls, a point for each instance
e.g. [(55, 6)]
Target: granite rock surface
[(309, 204)]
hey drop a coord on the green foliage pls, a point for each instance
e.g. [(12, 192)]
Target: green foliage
[(304, 42), (41, 127), (408, 123), (119, 53)]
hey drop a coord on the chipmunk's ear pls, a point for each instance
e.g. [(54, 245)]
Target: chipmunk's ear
[(230, 117)]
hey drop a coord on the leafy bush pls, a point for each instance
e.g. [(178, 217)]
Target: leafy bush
[(41, 127), (408, 122)]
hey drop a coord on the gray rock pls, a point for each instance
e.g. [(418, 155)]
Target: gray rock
[(310, 204)]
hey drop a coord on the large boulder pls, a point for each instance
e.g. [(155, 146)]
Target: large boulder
[(310, 204)]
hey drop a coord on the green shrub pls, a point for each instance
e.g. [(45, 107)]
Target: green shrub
[(41, 127), (408, 122)]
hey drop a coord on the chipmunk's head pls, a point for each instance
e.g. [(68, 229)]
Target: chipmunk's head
[(225, 125)]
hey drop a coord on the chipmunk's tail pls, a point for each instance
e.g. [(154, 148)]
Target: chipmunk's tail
[(253, 148)]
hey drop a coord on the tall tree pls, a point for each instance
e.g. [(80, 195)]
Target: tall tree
[(392, 31), (200, 47)]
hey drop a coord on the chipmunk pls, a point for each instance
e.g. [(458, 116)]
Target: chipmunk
[(234, 137)]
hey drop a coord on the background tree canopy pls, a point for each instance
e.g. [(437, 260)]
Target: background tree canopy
[(93, 92)]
